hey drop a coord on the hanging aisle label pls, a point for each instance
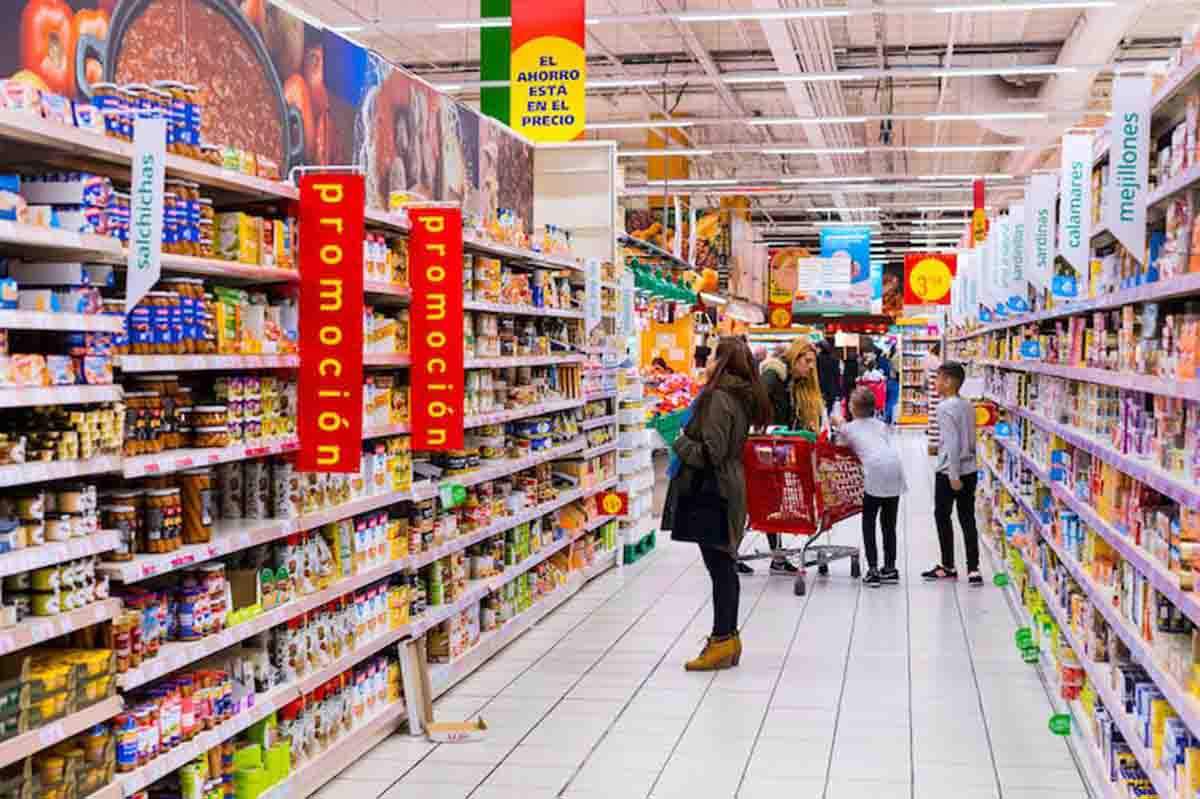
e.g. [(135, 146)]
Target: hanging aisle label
[(1001, 256), (548, 69), (1018, 284), (1039, 230), (1075, 214), (1129, 156), (146, 208), (435, 253), (591, 295), (330, 390)]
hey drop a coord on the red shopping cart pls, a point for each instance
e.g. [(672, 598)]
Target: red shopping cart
[(797, 486)]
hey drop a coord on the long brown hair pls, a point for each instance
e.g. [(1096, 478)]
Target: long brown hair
[(734, 358), (807, 403)]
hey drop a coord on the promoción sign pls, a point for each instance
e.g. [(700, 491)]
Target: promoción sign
[(928, 277), (435, 271), (330, 391), (548, 69)]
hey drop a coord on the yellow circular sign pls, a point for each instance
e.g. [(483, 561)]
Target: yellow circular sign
[(611, 504), (930, 280), (984, 416), (546, 102), (781, 317)]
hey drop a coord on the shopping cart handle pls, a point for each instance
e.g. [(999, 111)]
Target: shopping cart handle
[(781, 430)]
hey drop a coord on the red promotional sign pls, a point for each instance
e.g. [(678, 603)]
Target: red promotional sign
[(330, 391), (614, 503), (927, 278), (435, 254), (979, 221)]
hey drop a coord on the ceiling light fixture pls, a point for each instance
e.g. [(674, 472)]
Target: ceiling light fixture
[(678, 153), (650, 123), (1055, 4), (983, 117), (812, 151), (765, 15)]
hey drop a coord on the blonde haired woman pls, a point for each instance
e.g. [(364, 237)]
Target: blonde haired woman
[(792, 384)]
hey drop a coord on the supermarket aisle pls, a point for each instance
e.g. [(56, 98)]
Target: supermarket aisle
[(906, 691)]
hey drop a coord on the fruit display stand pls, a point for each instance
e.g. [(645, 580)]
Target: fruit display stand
[(1091, 479)]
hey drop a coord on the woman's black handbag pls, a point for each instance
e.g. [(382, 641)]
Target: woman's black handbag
[(701, 513)]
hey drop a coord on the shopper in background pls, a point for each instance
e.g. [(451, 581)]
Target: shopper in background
[(660, 367), (957, 472), (883, 479), (706, 499), (829, 372), (849, 374), (775, 372), (887, 365)]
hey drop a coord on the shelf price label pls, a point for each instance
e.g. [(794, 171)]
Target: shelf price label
[(548, 70)]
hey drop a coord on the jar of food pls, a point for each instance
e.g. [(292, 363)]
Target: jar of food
[(196, 486), (122, 519), (205, 437), (210, 416), (163, 520)]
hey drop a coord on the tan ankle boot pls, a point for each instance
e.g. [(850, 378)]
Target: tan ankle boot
[(719, 653), (737, 653)]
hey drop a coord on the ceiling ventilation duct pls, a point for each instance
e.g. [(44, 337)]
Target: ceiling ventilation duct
[(1094, 39)]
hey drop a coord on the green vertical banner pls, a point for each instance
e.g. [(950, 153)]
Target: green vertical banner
[(495, 56)]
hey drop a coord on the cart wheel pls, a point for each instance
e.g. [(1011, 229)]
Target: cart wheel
[(823, 569), (855, 568), (798, 588)]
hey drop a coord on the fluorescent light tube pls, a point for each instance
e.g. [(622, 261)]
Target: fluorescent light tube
[(814, 151), (771, 14), (807, 121), (842, 179), (969, 148), (652, 123), (793, 77), (679, 153), (996, 115), (983, 9)]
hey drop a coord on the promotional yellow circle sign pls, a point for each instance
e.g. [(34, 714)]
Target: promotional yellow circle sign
[(930, 280), (611, 504), (781, 316), (547, 102)]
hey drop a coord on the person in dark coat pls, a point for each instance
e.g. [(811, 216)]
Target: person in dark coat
[(829, 373), (849, 375), (733, 400)]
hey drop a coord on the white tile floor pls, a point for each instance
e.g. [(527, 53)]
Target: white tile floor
[(912, 691)]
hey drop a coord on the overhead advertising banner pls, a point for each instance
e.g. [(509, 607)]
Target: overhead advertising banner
[(928, 278), (1075, 213), (1018, 283), (435, 271), (1129, 164), (854, 245), (330, 384), (145, 209), (1040, 202), (781, 285), (548, 69)]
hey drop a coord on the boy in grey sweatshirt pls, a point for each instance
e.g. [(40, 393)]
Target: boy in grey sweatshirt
[(957, 472)]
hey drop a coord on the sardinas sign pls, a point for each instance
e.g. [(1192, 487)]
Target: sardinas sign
[(1125, 198), (146, 208), (548, 70), (435, 252), (1039, 230), (330, 402), (1075, 213)]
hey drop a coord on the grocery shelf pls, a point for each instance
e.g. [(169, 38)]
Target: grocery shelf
[(1155, 572), (429, 490), (385, 288), (38, 557), (599, 421), (495, 528), (605, 393), (522, 360), (445, 676), (15, 474), (482, 419), (345, 752), (27, 240), (1165, 483), (110, 791), (601, 449), (36, 630), (1150, 292), (1080, 732), (26, 744), (598, 522), (58, 395), (53, 320), (521, 310), (227, 270), (387, 359), (1184, 389), (177, 460), (653, 250), (175, 655), (603, 485), (1174, 185), (202, 363)]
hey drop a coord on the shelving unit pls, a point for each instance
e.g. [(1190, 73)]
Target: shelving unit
[(915, 406)]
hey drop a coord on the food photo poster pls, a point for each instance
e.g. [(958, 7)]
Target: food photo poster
[(270, 84)]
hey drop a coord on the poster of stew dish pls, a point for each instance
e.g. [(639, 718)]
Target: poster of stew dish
[(264, 91)]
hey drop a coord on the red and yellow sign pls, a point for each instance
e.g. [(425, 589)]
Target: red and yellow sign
[(986, 414), (548, 70), (614, 503), (927, 278), (435, 271), (781, 285), (979, 220), (330, 392)]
